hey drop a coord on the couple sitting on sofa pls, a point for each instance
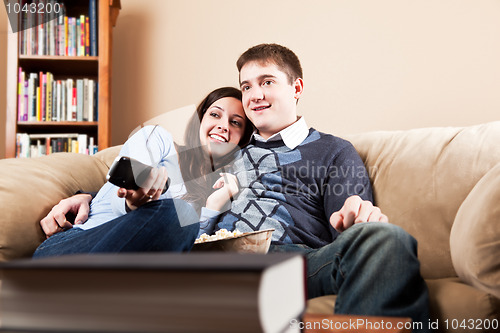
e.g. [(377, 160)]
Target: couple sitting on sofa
[(317, 213)]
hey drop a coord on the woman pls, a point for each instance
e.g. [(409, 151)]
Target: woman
[(123, 220)]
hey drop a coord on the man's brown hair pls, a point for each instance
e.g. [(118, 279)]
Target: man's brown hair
[(281, 56)]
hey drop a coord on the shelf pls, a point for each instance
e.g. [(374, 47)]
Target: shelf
[(58, 58), (57, 123), (54, 127), (61, 65)]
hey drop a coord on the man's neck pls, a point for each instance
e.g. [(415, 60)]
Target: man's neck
[(292, 135), (266, 136)]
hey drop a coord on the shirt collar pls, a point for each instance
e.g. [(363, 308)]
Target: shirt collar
[(292, 135)]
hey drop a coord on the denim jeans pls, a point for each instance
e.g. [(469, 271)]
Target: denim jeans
[(153, 227), (372, 268)]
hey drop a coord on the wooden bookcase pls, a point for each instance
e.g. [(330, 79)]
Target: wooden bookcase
[(97, 68)]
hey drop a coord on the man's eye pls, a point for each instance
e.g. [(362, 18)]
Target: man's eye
[(267, 83), (245, 88)]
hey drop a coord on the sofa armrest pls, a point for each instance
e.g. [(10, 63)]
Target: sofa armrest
[(29, 188), (475, 235)]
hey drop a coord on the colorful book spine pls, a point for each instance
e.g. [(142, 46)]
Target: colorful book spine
[(79, 100), (93, 27), (87, 36), (20, 94), (48, 97), (81, 40), (26, 100), (66, 36), (38, 103), (43, 98)]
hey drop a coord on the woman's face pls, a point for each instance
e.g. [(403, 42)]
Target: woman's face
[(222, 126)]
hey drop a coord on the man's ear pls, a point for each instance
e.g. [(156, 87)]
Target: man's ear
[(299, 87)]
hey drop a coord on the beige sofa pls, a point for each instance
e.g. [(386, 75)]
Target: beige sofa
[(440, 184)]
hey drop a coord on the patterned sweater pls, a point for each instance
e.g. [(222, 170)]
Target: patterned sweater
[(296, 190)]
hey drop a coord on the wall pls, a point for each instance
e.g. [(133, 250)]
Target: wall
[(4, 26), (368, 65)]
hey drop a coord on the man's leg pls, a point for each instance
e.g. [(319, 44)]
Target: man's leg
[(152, 227), (373, 269)]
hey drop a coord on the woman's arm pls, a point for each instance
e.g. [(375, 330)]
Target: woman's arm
[(151, 145), (226, 188)]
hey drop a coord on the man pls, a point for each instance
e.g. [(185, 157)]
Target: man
[(313, 189)]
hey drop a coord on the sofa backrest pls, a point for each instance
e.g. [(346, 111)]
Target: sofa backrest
[(421, 177)]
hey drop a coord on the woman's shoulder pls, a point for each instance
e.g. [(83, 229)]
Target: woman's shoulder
[(149, 132)]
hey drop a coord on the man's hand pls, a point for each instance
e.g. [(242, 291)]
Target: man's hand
[(227, 187), (151, 189), (356, 210), (56, 220)]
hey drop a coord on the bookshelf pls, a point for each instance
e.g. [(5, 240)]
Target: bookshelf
[(63, 67)]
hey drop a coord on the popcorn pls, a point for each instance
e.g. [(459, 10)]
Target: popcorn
[(219, 234)]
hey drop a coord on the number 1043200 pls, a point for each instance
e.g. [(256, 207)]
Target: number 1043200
[(33, 8)]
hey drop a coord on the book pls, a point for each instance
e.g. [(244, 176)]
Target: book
[(87, 36), (161, 292), (85, 99), (79, 99), (20, 94), (48, 97), (93, 27)]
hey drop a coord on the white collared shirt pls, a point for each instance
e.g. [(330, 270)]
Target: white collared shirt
[(292, 135)]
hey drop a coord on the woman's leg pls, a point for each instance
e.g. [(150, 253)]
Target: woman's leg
[(158, 226)]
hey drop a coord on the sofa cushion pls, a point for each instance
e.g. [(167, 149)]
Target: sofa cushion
[(29, 188), (451, 299), (421, 177), (475, 236)]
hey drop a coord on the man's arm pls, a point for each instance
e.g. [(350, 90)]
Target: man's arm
[(356, 210), (56, 221), (348, 194)]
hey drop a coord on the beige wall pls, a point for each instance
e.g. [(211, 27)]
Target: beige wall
[(368, 65), (3, 72)]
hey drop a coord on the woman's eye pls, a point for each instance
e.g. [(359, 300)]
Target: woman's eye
[(213, 114)]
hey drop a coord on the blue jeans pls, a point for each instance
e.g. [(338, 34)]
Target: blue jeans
[(372, 268), (153, 227)]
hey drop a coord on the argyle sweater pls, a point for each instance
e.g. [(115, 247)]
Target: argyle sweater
[(296, 190)]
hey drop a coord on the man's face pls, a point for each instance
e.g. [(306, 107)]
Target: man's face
[(269, 100)]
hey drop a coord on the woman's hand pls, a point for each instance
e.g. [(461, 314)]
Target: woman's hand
[(227, 187), (151, 189)]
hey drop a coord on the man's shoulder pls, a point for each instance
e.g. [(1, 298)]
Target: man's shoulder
[(327, 141)]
